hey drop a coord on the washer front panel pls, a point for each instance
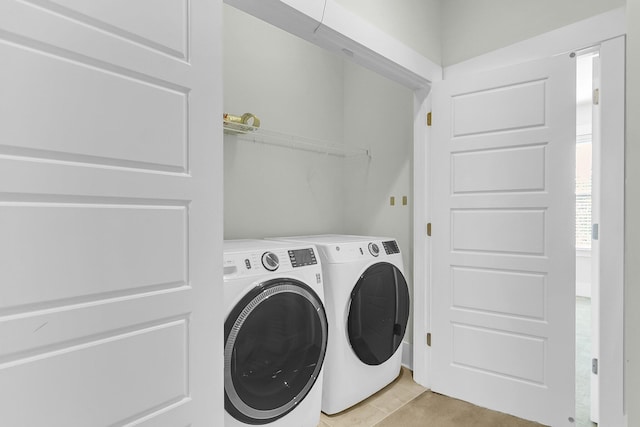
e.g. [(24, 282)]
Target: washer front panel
[(275, 343)]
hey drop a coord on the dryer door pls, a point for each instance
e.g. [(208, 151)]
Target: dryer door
[(275, 343), (378, 313)]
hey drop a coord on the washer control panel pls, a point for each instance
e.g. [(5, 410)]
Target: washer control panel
[(302, 257), (268, 257)]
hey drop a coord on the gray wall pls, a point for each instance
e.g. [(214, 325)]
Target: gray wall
[(473, 27), (379, 114), (296, 88), (632, 232), (416, 23), (451, 31)]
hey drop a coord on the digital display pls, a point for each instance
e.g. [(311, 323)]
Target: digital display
[(302, 257), (391, 247)]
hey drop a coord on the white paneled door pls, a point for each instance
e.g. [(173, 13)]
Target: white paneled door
[(503, 307), (110, 213)]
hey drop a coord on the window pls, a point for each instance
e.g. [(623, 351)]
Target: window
[(584, 131)]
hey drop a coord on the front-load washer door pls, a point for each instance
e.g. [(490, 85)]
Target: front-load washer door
[(275, 343), (378, 313)]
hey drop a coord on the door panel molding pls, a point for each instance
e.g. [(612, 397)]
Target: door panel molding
[(516, 357)]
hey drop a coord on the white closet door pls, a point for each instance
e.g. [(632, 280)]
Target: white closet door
[(110, 213), (503, 307)]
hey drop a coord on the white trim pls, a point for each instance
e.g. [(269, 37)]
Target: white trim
[(297, 18), (582, 34), (339, 30), (421, 254), (407, 355), (375, 49), (612, 125)]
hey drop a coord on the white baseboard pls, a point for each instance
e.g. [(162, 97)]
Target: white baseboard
[(407, 355)]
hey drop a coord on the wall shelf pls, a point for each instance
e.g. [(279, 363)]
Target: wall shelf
[(259, 135)]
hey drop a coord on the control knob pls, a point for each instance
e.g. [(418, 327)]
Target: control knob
[(270, 261), (374, 249)]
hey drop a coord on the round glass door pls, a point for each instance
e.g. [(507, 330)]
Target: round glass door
[(378, 313), (275, 343)]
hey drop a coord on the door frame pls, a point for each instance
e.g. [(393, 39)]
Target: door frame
[(611, 259), (329, 25)]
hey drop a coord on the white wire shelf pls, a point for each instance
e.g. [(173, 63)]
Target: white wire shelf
[(235, 128), (259, 135)]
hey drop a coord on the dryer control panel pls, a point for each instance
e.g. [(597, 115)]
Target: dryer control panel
[(391, 247), (361, 250)]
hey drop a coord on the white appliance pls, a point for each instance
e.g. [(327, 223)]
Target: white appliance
[(367, 302), (275, 334)]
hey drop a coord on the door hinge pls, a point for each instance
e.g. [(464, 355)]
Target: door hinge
[(429, 118), (429, 339), (429, 229), (595, 234), (594, 366), (596, 96)]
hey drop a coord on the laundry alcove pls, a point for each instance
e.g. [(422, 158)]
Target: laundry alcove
[(299, 89)]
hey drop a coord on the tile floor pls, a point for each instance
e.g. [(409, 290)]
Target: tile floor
[(377, 407)]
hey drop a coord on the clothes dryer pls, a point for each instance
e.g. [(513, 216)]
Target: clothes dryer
[(275, 334), (367, 302)]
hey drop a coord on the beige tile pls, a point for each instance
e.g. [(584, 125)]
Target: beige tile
[(388, 399), (409, 385), (406, 379), (434, 410), (405, 375), (325, 420), (373, 409), (361, 415), (398, 393), (323, 424), (387, 402), (406, 392)]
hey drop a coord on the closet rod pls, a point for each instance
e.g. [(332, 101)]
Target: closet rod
[(281, 139)]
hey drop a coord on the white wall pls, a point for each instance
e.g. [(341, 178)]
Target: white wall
[(474, 27), (379, 114), (632, 202), (299, 88), (416, 23), (294, 87)]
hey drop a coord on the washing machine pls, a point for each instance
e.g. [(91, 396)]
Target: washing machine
[(275, 334), (367, 302)]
